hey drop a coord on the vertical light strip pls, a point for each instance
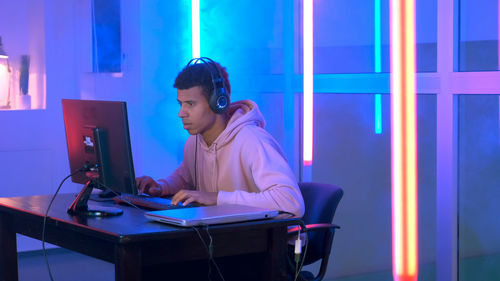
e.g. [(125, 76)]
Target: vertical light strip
[(195, 27), (498, 31), (404, 150), (378, 114), (378, 38), (308, 81), (378, 65)]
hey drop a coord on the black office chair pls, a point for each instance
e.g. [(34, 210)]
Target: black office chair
[(321, 201)]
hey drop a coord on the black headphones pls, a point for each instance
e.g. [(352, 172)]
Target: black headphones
[(219, 98)]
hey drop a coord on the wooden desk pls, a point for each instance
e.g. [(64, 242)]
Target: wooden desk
[(133, 243)]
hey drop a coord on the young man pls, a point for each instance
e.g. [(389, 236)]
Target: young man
[(229, 157)]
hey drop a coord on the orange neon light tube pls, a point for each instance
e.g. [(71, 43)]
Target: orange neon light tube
[(404, 149)]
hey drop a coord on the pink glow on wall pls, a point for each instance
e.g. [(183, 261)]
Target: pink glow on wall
[(4, 82), (308, 82)]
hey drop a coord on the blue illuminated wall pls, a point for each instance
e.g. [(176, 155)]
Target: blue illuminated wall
[(246, 36), (165, 45), (166, 48)]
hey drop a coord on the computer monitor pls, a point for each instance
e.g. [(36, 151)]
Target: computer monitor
[(98, 140)]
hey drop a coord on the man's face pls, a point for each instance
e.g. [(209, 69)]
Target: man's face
[(197, 117)]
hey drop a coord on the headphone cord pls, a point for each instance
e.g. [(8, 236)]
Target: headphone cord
[(210, 250), (46, 215), (195, 164), (298, 269)]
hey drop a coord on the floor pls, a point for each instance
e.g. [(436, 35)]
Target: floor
[(71, 266), (64, 265)]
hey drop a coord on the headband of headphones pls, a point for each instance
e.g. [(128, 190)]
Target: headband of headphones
[(219, 98)]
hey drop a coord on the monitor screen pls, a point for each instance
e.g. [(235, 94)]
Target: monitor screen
[(98, 138)]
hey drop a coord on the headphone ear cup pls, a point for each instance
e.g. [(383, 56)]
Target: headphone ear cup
[(219, 100)]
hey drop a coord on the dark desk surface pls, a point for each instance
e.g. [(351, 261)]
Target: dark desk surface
[(131, 238)]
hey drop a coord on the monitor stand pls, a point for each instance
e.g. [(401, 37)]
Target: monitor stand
[(106, 194), (81, 207), (103, 196)]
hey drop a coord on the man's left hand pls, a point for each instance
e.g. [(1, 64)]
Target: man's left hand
[(188, 196)]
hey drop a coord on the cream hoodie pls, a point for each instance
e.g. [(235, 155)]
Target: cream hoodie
[(244, 164)]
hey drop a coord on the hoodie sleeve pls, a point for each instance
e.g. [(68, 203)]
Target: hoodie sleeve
[(178, 180), (271, 174)]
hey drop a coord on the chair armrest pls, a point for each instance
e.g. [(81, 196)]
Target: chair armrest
[(311, 227)]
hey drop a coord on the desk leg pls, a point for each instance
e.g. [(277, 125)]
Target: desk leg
[(128, 266), (8, 252), (277, 254)]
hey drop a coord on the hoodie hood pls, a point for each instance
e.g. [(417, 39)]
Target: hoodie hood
[(241, 113)]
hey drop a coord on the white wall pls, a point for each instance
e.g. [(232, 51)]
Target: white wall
[(32, 144)]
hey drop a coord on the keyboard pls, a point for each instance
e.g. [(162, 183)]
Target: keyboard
[(148, 202)]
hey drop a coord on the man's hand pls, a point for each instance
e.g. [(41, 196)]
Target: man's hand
[(148, 185), (188, 196)]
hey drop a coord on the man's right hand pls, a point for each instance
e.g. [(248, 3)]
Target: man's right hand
[(148, 185)]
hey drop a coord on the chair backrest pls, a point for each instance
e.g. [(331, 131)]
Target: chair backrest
[(321, 201)]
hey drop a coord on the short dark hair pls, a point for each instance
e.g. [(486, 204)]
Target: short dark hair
[(199, 75)]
